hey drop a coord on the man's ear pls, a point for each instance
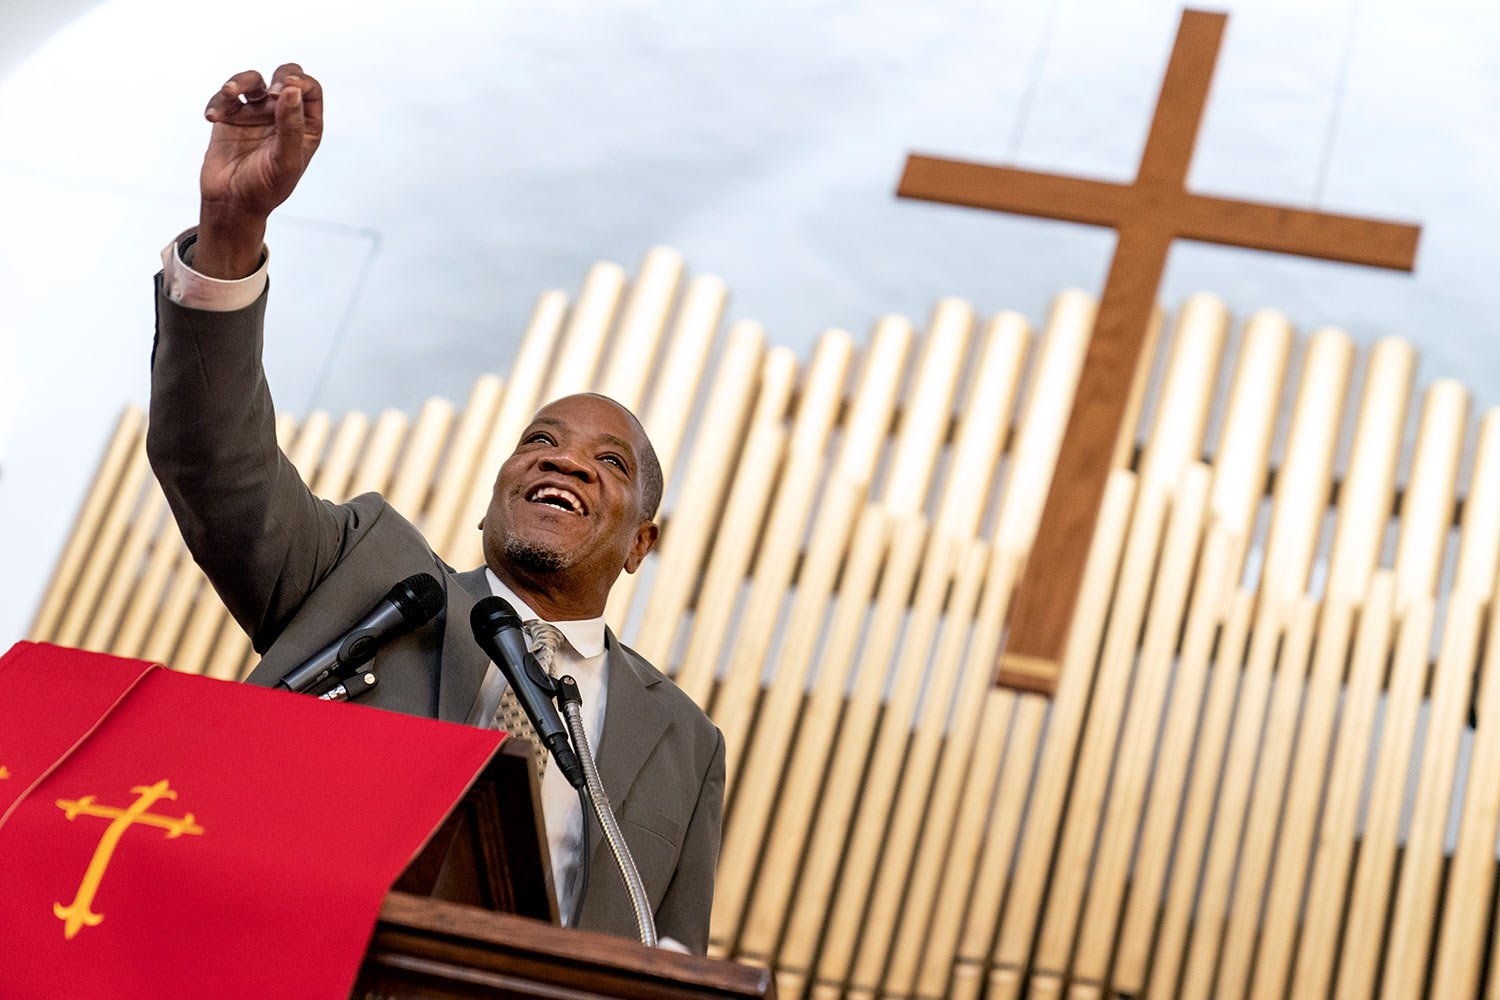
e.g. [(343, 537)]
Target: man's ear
[(645, 541)]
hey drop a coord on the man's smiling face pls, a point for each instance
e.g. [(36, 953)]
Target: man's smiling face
[(568, 510)]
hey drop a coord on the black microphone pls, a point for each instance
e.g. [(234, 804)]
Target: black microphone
[(497, 629), (413, 602)]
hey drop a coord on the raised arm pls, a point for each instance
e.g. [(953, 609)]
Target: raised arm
[(261, 537)]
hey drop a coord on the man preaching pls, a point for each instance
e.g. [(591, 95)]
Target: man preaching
[(571, 508)]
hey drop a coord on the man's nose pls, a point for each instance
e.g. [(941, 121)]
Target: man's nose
[(565, 462)]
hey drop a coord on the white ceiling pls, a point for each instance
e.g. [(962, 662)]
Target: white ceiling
[(478, 153)]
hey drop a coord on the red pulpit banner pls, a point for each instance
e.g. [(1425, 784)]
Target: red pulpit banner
[(195, 837), (42, 696)]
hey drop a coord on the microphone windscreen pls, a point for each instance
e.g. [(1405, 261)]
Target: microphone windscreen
[(420, 598), (492, 614)]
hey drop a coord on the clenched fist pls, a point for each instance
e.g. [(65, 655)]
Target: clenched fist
[(263, 138)]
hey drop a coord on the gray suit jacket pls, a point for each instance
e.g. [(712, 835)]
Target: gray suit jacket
[(297, 571)]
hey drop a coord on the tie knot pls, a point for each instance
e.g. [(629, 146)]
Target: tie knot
[(544, 639)]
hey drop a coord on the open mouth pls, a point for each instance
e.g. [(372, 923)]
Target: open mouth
[(554, 496)]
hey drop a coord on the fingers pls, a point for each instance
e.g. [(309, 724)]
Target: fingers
[(240, 92), (290, 75), (245, 99), (283, 73), (290, 129)]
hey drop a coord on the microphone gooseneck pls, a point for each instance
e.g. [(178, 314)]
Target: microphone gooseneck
[(640, 903)]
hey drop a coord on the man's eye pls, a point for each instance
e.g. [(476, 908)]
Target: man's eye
[(616, 461), (539, 436)]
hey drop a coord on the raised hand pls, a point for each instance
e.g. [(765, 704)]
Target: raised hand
[(263, 138)]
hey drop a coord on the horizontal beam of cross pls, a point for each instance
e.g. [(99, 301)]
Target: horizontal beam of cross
[(1348, 239)]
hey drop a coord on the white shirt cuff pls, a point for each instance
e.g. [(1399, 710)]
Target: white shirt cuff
[(188, 288)]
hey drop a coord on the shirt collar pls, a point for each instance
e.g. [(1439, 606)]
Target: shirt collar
[(586, 635)]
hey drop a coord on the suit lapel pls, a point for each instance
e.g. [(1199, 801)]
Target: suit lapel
[(464, 663), (634, 722)]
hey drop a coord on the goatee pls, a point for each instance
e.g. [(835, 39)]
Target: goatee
[(534, 557)]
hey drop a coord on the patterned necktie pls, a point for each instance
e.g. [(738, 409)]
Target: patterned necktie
[(543, 640)]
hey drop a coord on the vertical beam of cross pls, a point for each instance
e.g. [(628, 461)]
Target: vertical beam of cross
[(1148, 214)]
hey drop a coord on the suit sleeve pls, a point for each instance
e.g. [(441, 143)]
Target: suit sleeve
[(684, 910), (259, 534)]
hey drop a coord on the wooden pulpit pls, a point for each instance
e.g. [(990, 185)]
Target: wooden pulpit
[(426, 947), (475, 915)]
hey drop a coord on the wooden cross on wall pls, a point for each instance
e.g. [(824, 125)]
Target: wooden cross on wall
[(1148, 215)]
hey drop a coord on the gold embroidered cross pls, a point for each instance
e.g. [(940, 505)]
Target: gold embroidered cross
[(4, 772), (78, 914)]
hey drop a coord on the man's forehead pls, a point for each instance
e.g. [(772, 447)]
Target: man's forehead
[(619, 427)]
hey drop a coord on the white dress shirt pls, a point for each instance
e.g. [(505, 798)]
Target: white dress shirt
[(188, 288), (582, 656)]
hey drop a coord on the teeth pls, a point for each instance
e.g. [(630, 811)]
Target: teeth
[(553, 493)]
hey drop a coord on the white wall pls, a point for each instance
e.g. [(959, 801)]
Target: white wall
[(478, 153)]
